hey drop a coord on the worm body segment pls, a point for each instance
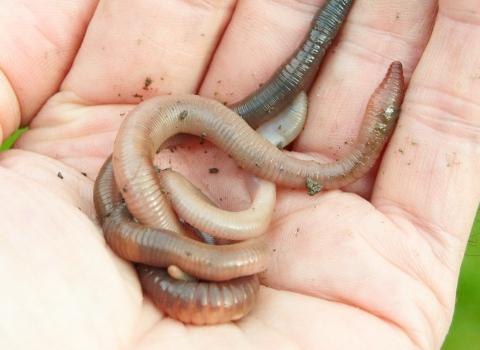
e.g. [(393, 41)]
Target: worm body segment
[(298, 71), (199, 302), (161, 248)]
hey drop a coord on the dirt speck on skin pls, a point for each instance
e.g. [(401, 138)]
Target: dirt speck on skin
[(148, 82)]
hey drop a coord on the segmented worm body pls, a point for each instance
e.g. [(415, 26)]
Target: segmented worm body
[(221, 301), (252, 222), (157, 119), (200, 302), (161, 248), (299, 70), (154, 238)]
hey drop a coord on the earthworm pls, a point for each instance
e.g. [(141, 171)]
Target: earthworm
[(199, 302), (189, 301), (189, 202), (161, 248), (280, 130), (156, 119), (362, 157), (298, 70), (210, 303), (379, 119), (228, 300), (105, 191)]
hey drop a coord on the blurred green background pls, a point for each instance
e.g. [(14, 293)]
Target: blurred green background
[(465, 330)]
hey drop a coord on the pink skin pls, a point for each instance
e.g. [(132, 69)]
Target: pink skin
[(352, 261)]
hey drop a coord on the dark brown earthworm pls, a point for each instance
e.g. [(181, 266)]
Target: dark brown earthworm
[(299, 70), (105, 191), (161, 248), (199, 302), (158, 118)]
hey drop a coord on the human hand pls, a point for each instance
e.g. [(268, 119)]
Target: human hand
[(345, 272)]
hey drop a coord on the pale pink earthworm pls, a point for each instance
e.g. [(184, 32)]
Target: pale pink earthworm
[(189, 203), (161, 117), (227, 300), (379, 121), (158, 118)]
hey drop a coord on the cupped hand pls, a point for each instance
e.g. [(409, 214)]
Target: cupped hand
[(372, 266)]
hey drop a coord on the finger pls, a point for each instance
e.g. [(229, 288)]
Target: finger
[(430, 173), (39, 41), (131, 53), (259, 37)]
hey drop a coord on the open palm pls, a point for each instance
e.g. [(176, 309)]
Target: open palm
[(373, 266)]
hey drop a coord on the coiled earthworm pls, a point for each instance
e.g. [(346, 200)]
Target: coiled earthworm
[(161, 248), (199, 302), (378, 123), (365, 151), (298, 71), (192, 301), (222, 301), (155, 120), (280, 130), (190, 204)]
